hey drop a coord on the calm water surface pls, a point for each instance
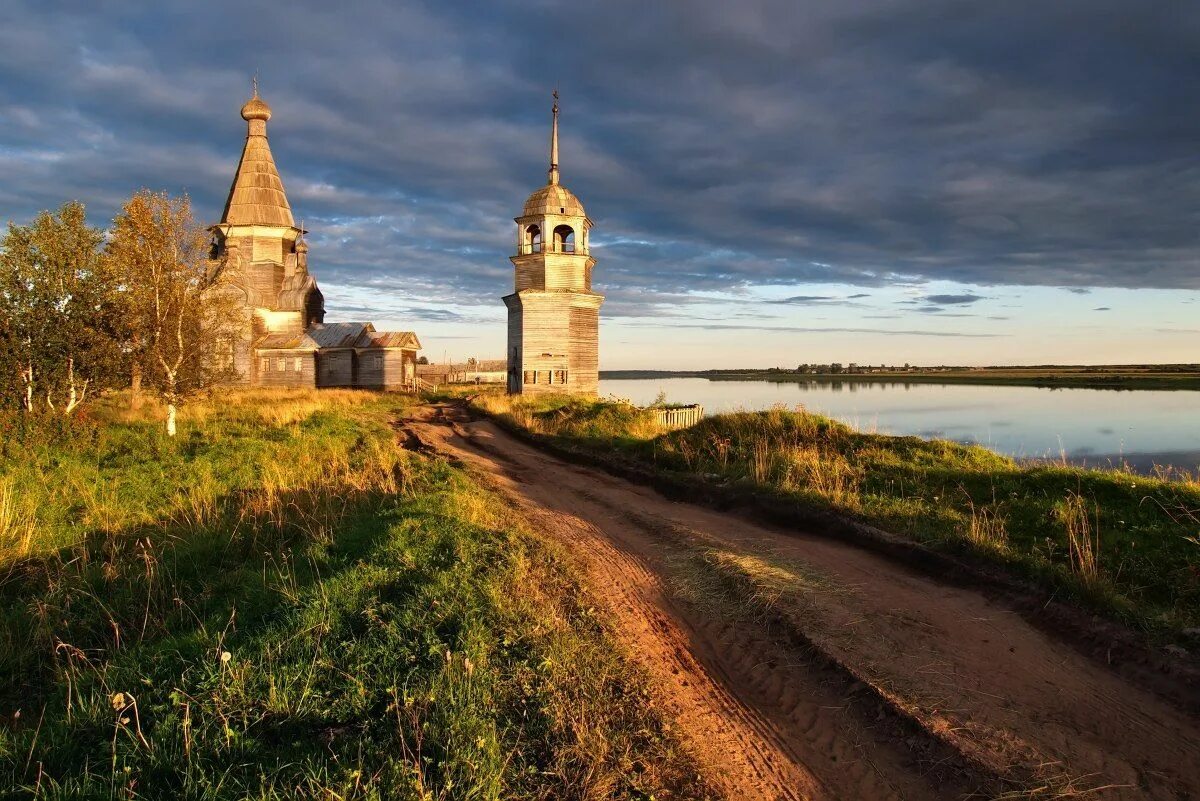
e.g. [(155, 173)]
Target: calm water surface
[(1091, 426)]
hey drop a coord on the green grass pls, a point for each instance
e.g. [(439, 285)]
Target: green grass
[(1122, 544), (282, 603)]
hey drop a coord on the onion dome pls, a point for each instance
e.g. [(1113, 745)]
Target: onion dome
[(256, 109)]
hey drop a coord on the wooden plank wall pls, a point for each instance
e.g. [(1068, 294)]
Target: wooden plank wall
[(335, 368), (288, 376), (585, 350)]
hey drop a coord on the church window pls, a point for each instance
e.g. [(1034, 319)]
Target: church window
[(564, 239), (297, 364), (530, 377), (533, 239), (560, 376), (279, 364), (265, 365)]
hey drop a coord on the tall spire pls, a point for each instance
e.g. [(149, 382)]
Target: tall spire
[(554, 142), (256, 196)]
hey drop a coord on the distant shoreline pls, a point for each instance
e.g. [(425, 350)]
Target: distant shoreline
[(1117, 377)]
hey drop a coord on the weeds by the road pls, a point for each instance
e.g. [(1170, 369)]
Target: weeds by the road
[(1124, 544), (283, 603)]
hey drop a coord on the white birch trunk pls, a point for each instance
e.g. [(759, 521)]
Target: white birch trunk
[(27, 374), (75, 393), (72, 395), (170, 419)]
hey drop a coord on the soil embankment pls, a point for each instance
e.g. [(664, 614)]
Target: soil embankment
[(795, 666)]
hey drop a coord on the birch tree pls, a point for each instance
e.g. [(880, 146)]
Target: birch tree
[(178, 317), (61, 312)]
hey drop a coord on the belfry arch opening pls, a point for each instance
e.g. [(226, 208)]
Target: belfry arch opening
[(533, 239), (564, 239)]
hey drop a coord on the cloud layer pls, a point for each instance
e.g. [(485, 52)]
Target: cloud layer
[(718, 146)]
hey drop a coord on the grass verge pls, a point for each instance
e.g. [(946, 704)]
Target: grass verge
[(283, 603)]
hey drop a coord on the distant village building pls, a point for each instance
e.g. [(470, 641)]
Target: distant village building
[(285, 340), (472, 371), (553, 314)]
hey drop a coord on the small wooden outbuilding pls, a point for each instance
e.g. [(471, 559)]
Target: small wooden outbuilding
[(339, 355)]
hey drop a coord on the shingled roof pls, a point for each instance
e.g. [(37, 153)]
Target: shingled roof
[(287, 342), (360, 335), (256, 196), (393, 339), (339, 335)]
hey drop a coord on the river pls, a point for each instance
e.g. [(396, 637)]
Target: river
[(1096, 427)]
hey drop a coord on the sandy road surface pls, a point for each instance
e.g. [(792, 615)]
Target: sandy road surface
[(871, 682)]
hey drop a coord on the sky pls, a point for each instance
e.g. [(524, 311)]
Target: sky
[(772, 183)]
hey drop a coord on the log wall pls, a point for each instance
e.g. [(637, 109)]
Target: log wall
[(286, 368), (335, 368)]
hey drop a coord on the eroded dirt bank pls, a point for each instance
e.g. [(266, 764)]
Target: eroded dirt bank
[(798, 667)]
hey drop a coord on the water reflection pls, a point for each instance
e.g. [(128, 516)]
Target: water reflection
[(1086, 426)]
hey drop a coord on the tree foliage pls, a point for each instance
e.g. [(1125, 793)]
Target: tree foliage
[(179, 317), (60, 313)]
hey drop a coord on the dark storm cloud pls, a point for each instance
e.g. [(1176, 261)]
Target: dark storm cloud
[(952, 300), (816, 300), (718, 146)]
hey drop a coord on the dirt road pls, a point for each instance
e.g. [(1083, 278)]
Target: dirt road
[(795, 667)]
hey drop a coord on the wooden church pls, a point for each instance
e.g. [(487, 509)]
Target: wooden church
[(284, 339)]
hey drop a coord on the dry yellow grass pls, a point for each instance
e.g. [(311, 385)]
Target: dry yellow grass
[(277, 407), (987, 527), (18, 524), (1083, 536)]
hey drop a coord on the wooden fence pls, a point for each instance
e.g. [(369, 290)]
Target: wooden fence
[(679, 416)]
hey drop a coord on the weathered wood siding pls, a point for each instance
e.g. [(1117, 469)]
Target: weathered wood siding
[(370, 369), (388, 369), (335, 368), (530, 272), (516, 343), (553, 342), (286, 368), (585, 353), (543, 319), (399, 368)]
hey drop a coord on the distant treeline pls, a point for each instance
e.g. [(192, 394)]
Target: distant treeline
[(1133, 376)]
